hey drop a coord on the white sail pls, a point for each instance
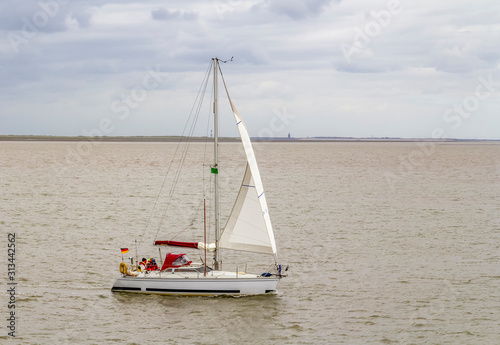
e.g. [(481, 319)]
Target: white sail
[(249, 226), (246, 229)]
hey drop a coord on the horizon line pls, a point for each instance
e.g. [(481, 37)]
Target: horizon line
[(170, 138)]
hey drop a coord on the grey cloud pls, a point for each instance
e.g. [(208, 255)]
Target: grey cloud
[(295, 9), (82, 15), (44, 16), (293, 42), (26, 15), (166, 15), (451, 42)]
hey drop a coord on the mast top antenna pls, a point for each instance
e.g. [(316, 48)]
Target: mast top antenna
[(224, 61)]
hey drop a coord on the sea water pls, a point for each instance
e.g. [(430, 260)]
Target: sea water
[(387, 243)]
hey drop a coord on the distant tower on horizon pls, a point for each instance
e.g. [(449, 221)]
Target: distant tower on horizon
[(288, 135)]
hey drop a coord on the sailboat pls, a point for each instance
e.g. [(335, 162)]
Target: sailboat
[(248, 229)]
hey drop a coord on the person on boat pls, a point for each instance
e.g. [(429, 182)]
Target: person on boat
[(142, 264), (153, 266)]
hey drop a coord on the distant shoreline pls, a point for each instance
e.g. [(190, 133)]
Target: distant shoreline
[(225, 139)]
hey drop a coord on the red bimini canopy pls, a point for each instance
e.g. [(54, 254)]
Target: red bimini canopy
[(175, 260)]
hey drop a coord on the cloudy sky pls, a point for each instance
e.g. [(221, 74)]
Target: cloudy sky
[(312, 68)]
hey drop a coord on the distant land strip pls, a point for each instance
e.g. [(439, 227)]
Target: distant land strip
[(223, 139)]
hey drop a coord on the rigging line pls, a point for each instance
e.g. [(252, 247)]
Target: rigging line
[(208, 187), (210, 205), (179, 169), (227, 92), (218, 188), (198, 103), (186, 149), (209, 120), (187, 227), (171, 161), (198, 111)]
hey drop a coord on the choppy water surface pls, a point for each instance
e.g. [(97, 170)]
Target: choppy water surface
[(394, 243)]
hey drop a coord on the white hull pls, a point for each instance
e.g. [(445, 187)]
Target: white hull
[(195, 284)]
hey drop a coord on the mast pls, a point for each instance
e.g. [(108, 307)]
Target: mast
[(204, 238), (215, 168)]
